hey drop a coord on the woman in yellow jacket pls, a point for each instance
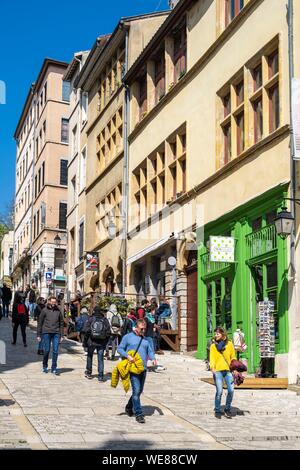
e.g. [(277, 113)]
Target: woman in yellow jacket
[(221, 354)]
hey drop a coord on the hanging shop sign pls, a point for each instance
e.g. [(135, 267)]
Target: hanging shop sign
[(221, 249), (266, 329), (92, 261)]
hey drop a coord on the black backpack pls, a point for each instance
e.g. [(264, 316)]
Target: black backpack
[(115, 321), (98, 329)]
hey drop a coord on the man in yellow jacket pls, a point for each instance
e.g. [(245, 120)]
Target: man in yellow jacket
[(221, 354), (135, 341)]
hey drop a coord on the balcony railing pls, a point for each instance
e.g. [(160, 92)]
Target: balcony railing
[(211, 267), (262, 241)]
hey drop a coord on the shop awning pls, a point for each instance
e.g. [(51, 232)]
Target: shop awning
[(149, 249)]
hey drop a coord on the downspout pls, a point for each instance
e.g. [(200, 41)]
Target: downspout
[(125, 205), (292, 150)]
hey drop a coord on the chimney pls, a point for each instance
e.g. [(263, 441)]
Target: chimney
[(172, 3)]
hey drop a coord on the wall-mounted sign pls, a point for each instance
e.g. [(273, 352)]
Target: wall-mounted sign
[(92, 261), (48, 276), (221, 249)]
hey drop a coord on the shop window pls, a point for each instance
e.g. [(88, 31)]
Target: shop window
[(209, 312), (257, 224)]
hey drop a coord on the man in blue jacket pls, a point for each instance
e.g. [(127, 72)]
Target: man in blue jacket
[(135, 341)]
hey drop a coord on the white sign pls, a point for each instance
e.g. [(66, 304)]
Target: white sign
[(296, 116), (222, 249)]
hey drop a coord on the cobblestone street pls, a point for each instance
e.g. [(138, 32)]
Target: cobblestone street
[(40, 411)]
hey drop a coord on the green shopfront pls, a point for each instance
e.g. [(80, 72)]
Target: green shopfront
[(228, 293)]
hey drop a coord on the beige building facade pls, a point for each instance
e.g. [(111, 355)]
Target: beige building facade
[(76, 177), (101, 79), (50, 180), (209, 154), (42, 137), (6, 258)]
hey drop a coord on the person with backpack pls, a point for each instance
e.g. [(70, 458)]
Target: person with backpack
[(129, 322), (116, 322), (97, 332), (20, 317), (80, 322), (37, 311), (221, 355), (50, 330), (6, 299), (136, 341)]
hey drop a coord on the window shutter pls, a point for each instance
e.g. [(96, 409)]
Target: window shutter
[(64, 172), (62, 215)]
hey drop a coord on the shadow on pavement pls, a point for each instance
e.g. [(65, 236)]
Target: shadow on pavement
[(7, 402), (137, 444)]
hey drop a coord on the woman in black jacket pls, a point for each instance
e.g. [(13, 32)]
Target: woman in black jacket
[(20, 317)]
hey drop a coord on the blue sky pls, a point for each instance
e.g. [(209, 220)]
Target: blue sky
[(31, 31)]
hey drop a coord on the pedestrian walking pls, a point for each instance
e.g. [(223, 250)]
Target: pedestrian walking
[(50, 331), (150, 318), (6, 299), (136, 341), (31, 297), (37, 311), (221, 354), (20, 317), (116, 322), (97, 332), (129, 322)]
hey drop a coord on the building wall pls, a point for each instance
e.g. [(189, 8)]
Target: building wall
[(5, 260)]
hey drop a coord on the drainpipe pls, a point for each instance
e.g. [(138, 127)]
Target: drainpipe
[(125, 205), (292, 150)]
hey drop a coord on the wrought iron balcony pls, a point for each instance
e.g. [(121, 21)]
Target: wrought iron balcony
[(262, 241), (211, 267)]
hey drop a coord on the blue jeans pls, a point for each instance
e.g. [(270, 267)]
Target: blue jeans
[(5, 308), (89, 362), (31, 309), (47, 339), (151, 342), (219, 377), (137, 384), (41, 344)]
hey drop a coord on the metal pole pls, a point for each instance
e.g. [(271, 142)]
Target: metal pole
[(292, 150)]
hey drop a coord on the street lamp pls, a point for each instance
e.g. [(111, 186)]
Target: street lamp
[(112, 228), (57, 240), (284, 223)]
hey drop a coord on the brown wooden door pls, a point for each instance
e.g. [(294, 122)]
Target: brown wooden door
[(192, 310)]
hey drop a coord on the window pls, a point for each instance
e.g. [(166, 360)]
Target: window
[(274, 108), (64, 172), (227, 144), (232, 9), (81, 240), (82, 170), (143, 96), (84, 106), (43, 174), (179, 53), (74, 140), (59, 258), (65, 130), (109, 142), (239, 89), (43, 214), (257, 77), (240, 133), (273, 63), (160, 77), (66, 89), (45, 92), (62, 224), (39, 180), (258, 120), (227, 105)]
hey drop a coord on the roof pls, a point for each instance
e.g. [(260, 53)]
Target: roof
[(103, 42), (170, 21), (74, 64), (34, 87)]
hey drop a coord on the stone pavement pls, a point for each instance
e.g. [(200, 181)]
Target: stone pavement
[(42, 411)]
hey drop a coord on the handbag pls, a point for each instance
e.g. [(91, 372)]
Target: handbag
[(238, 378)]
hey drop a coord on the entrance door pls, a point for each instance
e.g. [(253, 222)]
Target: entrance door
[(264, 286), (192, 310)]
